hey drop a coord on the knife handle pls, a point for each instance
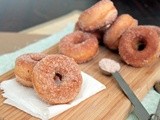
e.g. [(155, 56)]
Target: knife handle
[(139, 109)]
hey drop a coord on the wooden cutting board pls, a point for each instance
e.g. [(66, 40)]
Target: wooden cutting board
[(109, 104)]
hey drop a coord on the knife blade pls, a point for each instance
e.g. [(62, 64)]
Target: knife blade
[(139, 109)]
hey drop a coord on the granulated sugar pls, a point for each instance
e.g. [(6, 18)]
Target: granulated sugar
[(109, 65)]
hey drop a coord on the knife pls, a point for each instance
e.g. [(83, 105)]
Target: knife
[(139, 109)]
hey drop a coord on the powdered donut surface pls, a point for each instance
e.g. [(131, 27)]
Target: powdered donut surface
[(101, 14), (57, 79), (80, 46), (139, 46), (113, 34)]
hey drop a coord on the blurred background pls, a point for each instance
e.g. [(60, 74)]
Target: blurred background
[(17, 15)]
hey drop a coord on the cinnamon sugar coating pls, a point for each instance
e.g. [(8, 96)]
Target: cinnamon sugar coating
[(57, 79), (24, 66), (103, 13), (139, 46), (113, 34), (157, 28), (80, 46)]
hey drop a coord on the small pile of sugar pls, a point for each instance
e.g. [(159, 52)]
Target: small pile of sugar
[(109, 65)]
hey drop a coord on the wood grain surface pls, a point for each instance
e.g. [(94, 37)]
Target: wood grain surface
[(109, 104)]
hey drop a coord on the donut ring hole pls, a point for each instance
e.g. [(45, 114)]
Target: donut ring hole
[(57, 78), (79, 40), (141, 44)]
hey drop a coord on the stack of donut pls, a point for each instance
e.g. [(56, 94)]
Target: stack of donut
[(82, 44), (55, 78), (138, 46)]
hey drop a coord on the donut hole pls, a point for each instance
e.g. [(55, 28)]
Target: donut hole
[(79, 40), (141, 44), (57, 78)]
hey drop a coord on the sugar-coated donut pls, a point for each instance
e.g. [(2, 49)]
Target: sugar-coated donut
[(139, 46), (80, 46), (57, 79), (103, 13), (113, 34), (24, 66)]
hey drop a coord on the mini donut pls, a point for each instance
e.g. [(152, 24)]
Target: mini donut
[(139, 46), (24, 66), (113, 34), (57, 79), (98, 33), (103, 13), (80, 46)]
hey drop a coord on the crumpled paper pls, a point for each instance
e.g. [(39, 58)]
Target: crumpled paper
[(27, 100)]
